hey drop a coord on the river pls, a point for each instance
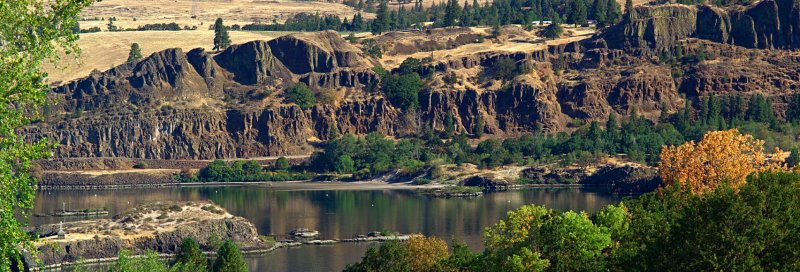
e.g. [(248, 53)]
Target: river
[(335, 213)]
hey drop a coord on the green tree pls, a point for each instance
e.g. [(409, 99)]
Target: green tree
[(600, 12), (449, 125), (282, 163), (629, 10), (344, 164), (794, 157), (221, 38), (577, 12), (793, 109), (381, 23), (135, 53), (479, 127), (32, 32), (452, 12), (613, 12), (552, 31), (189, 257), (229, 259), (301, 95), (150, 263), (402, 90), (251, 167), (391, 256)]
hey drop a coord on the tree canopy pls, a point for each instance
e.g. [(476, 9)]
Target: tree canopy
[(32, 32)]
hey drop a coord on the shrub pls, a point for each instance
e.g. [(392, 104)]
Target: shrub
[(282, 163), (301, 95), (552, 31)]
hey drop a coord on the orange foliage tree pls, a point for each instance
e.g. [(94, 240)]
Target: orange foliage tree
[(425, 252), (721, 156)]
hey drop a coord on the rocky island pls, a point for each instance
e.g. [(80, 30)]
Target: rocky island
[(158, 227)]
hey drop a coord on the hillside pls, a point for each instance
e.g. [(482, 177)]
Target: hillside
[(179, 104)]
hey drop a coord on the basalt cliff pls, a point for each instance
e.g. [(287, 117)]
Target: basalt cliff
[(231, 104)]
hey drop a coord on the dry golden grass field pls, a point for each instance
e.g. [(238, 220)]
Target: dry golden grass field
[(104, 50), (180, 11)]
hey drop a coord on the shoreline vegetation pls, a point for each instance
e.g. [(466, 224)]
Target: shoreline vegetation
[(132, 235)]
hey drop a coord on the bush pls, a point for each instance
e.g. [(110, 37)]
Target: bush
[(552, 31), (282, 164), (140, 165), (301, 95)]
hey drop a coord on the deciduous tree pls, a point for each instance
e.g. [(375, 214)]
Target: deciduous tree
[(721, 156), (32, 32)]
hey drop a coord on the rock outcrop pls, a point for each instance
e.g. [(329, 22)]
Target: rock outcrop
[(160, 227), (766, 25), (231, 104)]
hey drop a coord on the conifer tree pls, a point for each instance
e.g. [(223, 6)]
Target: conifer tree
[(221, 38), (628, 9), (135, 53), (613, 12), (229, 259), (381, 22)]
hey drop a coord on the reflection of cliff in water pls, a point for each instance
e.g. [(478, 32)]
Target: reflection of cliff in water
[(340, 214)]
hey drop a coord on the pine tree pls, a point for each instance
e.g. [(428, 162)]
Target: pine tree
[(628, 10), (221, 38), (135, 53), (793, 109), (190, 257), (451, 13), (479, 127), (229, 259), (600, 12), (466, 15), (613, 12), (577, 13), (381, 22)]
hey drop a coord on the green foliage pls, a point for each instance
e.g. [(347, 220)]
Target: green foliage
[(147, 263), (301, 95), (32, 32), (577, 12), (229, 259), (190, 257), (409, 66), (135, 53), (552, 31), (402, 90), (381, 22), (344, 164), (391, 256), (794, 157), (282, 164), (244, 171), (750, 229), (504, 68), (221, 37), (372, 48)]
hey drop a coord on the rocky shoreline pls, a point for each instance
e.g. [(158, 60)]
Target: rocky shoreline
[(160, 227)]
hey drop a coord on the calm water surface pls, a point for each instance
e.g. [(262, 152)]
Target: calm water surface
[(336, 214)]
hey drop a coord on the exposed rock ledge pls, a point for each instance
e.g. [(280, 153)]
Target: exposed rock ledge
[(159, 227)]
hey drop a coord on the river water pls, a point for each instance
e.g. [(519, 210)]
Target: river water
[(335, 213)]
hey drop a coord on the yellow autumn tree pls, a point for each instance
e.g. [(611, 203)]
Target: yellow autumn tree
[(424, 253), (721, 156)]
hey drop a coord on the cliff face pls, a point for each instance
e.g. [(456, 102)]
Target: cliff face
[(766, 25), (231, 104)]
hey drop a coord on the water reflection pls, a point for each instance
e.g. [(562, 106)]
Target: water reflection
[(336, 214)]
